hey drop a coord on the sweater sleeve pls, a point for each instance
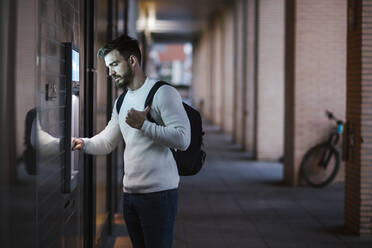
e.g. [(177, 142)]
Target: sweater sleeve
[(176, 130), (107, 140)]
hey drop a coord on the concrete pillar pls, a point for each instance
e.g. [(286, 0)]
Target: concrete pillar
[(358, 138), (315, 77)]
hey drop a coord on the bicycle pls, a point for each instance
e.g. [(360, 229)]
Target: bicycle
[(321, 163)]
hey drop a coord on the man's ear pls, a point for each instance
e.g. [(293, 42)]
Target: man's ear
[(132, 60)]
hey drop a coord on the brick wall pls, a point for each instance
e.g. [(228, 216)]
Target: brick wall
[(358, 189), (316, 78), (201, 75), (289, 92), (270, 80), (239, 72), (228, 67), (213, 71), (218, 72), (225, 74), (251, 73)]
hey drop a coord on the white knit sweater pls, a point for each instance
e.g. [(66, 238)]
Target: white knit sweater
[(149, 165)]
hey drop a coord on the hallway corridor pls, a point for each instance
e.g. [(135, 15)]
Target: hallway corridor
[(264, 73), (236, 203)]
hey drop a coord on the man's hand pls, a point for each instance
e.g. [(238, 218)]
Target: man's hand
[(77, 144), (136, 118)]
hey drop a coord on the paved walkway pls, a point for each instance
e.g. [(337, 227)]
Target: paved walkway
[(234, 202)]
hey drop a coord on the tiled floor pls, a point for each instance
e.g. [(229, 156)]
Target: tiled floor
[(234, 202)]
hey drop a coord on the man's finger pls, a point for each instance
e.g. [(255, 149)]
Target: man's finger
[(130, 113), (77, 147), (74, 145)]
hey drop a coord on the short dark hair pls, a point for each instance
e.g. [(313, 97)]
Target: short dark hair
[(126, 46)]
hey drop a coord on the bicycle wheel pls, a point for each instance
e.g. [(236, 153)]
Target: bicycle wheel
[(320, 165)]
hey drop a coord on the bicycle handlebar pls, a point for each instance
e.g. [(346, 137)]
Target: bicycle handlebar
[(339, 122), (330, 116)]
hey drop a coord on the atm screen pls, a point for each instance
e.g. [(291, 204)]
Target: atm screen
[(75, 65), (75, 72)]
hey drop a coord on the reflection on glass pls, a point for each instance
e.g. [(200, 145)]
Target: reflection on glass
[(71, 168), (37, 139)]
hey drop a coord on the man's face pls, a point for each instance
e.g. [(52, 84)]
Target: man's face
[(119, 69)]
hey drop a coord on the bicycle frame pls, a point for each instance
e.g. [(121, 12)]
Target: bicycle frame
[(326, 156), (321, 163), (333, 139)]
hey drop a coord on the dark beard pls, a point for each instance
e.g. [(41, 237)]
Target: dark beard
[(127, 79)]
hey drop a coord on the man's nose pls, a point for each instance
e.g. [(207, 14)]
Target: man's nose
[(111, 72)]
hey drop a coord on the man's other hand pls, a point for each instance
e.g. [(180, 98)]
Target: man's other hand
[(77, 144), (136, 118)]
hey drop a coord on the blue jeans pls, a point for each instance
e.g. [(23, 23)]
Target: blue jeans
[(150, 218)]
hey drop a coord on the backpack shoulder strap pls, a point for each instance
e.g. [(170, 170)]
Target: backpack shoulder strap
[(152, 92), (151, 95), (120, 101)]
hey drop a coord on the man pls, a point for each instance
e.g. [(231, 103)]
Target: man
[(150, 182)]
